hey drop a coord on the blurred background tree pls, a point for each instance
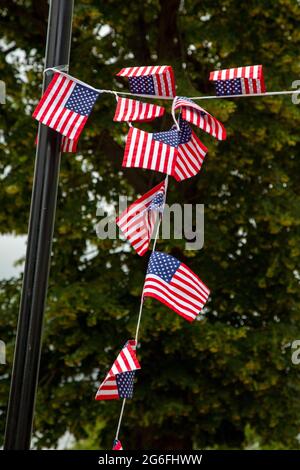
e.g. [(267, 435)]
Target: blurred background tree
[(226, 381)]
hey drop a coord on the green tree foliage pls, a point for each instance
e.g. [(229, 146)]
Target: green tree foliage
[(217, 381)]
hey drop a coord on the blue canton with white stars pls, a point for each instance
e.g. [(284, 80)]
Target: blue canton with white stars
[(168, 137), (229, 87), (143, 85), (125, 384), (163, 265), (82, 100), (157, 202), (185, 132)]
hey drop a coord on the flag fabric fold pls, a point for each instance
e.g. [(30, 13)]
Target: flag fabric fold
[(66, 105), (117, 445), (120, 379), (137, 222), (129, 110), (175, 285), (194, 114), (247, 80), (150, 80)]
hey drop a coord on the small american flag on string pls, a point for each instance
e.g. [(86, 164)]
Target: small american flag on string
[(150, 80), (175, 285), (120, 379), (137, 222), (193, 113), (190, 153), (135, 111), (117, 445), (67, 145), (247, 80), (177, 153), (155, 151), (65, 106)]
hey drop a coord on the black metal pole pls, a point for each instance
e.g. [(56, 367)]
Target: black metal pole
[(40, 234)]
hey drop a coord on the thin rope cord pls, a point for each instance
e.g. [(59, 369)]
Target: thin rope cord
[(58, 68), (141, 307), (142, 296), (253, 95), (120, 418), (139, 317), (156, 97), (212, 97), (157, 232)]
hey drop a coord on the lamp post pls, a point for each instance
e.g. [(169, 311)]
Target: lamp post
[(40, 234)]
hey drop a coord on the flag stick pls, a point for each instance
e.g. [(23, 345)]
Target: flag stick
[(40, 233)]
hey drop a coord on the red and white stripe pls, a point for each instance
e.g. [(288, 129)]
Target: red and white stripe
[(251, 86), (186, 294), (125, 362), (117, 445), (108, 390), (163, 77), (193, 113), (135, 111), (67, 145), (142, 151), (189, 159), (137, 223), (51, 109), (250, 71), (252, 78)]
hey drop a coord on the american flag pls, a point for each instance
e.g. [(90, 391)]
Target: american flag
[(155, 151), (65, 106), (117, 445), (120, 379), (150, 80), (67, 145), (190, 153), (175, 285), (177, 153), (136, 111), (138, 220), (193, 113), (247, 80)]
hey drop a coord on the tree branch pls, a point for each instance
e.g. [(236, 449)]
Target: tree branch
[(168, 35)]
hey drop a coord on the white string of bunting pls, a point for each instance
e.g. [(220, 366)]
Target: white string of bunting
[(178, 152), (141, 307), (159, 97)]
